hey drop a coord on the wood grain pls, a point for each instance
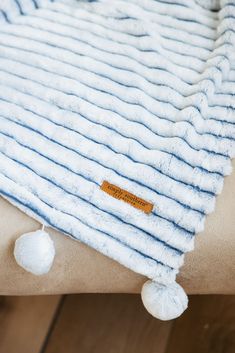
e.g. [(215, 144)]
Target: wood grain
[(107, 323), (113, 323), (24, 322), (208, 326)]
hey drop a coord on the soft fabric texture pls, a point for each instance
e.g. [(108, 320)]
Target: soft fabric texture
[(174, 298), (78, 268), (35, 252), (138, 93)]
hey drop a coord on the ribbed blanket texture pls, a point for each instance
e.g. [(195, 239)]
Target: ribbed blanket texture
[(139, 93)]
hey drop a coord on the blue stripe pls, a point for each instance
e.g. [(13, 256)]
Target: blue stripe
[(128, 70), (90, 71), (151, 82), (178, 18), (34, 210), (119, 219), (198, 108), (173, 3), (175, 224), (78, 54), (35, 4), (70, 94), (19, 7), (164, 25), (188, 185), (94, 47), (118, 31), (17, 3), (188, 7), (229, 4), (106, 50), (69, 15), (140, 49), (137, 48), (98, 74), (118, 83), (45, 217), (4, 15), (186, 232), (54, 10), (229, 17), (91, 180), (226, 31), (109, 168)]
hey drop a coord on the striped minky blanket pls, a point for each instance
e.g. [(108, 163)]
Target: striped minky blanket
[(117, 121)]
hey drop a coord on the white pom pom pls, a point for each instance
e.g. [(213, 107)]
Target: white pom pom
[(35, 252), (165, 302)]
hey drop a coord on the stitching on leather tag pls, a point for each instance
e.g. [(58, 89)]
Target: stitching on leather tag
[(127, 197)]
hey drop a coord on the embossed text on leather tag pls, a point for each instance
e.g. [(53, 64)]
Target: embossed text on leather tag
[(126, 196)]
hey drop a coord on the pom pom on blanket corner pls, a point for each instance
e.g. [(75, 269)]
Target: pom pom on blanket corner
[(117, 125)]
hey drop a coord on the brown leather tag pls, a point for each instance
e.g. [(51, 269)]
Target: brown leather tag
[(126, 196)]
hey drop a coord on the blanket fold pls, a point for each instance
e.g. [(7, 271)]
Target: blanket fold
[(137, 93)]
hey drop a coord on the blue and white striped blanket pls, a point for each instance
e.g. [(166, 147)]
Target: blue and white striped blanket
[(139, 93)]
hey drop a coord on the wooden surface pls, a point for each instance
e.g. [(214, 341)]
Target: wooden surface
[(209, 269), (24, 322), (100, 323), (107, 323), (207, 327)]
